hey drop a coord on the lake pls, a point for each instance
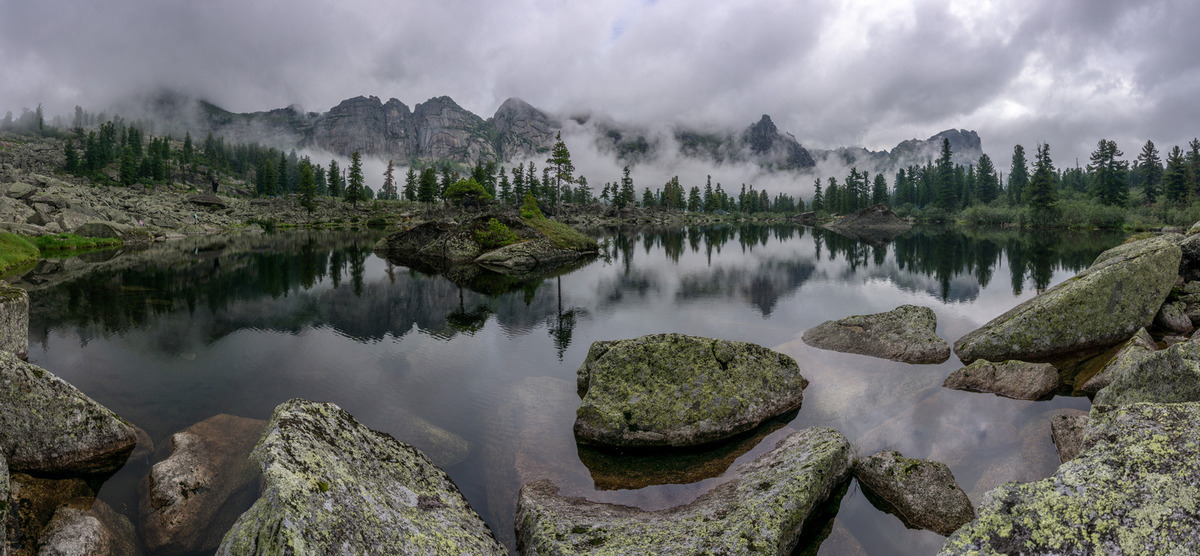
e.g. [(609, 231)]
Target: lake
[(480, 374)]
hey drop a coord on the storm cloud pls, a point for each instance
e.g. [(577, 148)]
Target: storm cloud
[(1067, 72)]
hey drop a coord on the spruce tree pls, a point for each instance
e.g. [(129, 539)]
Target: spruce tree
[(410, 184), (389, 183), (1175, 179), (1150, 167), (1018, 177), (560, 167), (307, 186), (987, 187), (947, 188), (1043, 203), (335, 179), (427, 186), (1108, 174), (354, 183)]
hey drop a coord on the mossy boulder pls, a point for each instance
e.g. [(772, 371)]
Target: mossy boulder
[(907, 333), (48, 426), (1101, 306), (922, 493), (3, 503), (761, 511), (526, 255), (1066, 429), (1133, 489), (14, 320), (127, 234), (1127, 358), (1012, 379), (186, 499), (677, 390), (333, 486), (1171, 375)]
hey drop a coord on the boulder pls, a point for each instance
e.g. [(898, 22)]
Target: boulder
[(907, 333), (14, 321), (189, 500), (677, 390), (1133, 489), (20, 190), (1128, 357), (526, 255), (48, 426), (331, 485), (761, 511), (3, 505), (207, 201), (1101, 306), (1011, 379), (923, 494), (94, 530), (1172, 317), (1170, 375), (32, 503), (127, 234), (1066, 429)]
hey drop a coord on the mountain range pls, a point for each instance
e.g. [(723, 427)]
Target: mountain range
[(440, 130)]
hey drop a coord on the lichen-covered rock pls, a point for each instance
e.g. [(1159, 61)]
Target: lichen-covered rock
[(88, 530), (32, 503), (1011, 379), (3, 505), (1133, 489), (1127, 358), (1172, 317), (1171, 375), (47, 426), (922, 493), (125, 233), (527, 255), (185, 499), (1066, 429), (1101, 306), (907, 333), (677, 390), (762, 511), (14, 320), (331, 485)]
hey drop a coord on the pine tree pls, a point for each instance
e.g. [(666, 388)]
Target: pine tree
[(1042, 199), (307, 186), (1175, 179), (1108, 174), (626, 196), (818, 202), (879, 192), (129, 166), (72, 163), (947, 190), (410, 184), (427, 186), (354, 183), (389, 183), (1150, 167), (987, 187), (1018, 176), (1193, 159), (335, 179), (560, 167)]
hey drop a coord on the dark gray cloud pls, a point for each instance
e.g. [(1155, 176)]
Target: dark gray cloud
[(1067, 72)]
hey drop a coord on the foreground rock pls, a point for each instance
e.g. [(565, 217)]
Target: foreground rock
[(96, 530), (1133, 489), (762, 511), (907, 333), (48, 516), (1011, 379), (1106, 304), (189, 500), (1126, 360), (331, 485), (14, 321), (923, 494), (1171, 375), (874, 225), (1066, 429), (677, 390), (3, 505), (47, 426)]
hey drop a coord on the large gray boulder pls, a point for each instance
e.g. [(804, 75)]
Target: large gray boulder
[(3, 504), (1101, 306), (1171, 375), (186, 499), (48, 426), (1133, 489), (922, 493), (1011, 379), (331, 485), (907, 333), (677, 390), (32, 502), (14, 321), (762, 511), (1127, 358), (1172, 317)]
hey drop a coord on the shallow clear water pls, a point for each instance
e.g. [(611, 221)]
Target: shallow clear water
[(484, 383)]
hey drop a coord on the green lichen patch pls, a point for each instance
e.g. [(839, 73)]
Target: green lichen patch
[(923, 494), (1167, 376), (331, 486), (763, 511), (1134, 489), (677, 390)]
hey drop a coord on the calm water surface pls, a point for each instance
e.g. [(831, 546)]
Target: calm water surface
[(480, 374)]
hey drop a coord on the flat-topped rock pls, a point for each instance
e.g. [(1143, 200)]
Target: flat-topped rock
[(677, 390), (1011, 379), (922, 493), (762, 511), (907, 333), (1066, 429)]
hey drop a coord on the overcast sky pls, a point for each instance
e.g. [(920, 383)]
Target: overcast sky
[(1067, 72)]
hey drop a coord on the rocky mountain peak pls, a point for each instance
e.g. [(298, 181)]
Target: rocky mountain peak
[(522, 130), (761, 136)]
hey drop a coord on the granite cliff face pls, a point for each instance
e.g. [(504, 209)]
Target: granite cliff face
[(965, 145)]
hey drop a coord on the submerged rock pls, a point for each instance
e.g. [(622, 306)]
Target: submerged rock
[(1101, 306), (189, 500), (32, 503), (677, 390), (1127, 358), (1066, 429), (47, 426), (1011, 379), (1133, 489), (907, 333), (331, 485), (762, 511), (1171, 375), (14, 321), (94, 530), (923, 494)]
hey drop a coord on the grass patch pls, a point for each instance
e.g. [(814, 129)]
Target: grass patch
[(495, 235), (72, 242), (16, 251), (563, 236)]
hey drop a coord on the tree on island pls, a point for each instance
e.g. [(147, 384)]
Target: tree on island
[(560, 167)]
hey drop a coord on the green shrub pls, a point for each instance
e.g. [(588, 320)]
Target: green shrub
[(563, 236), (530, 210), (377, 222), (495, 235), (466, 190)]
